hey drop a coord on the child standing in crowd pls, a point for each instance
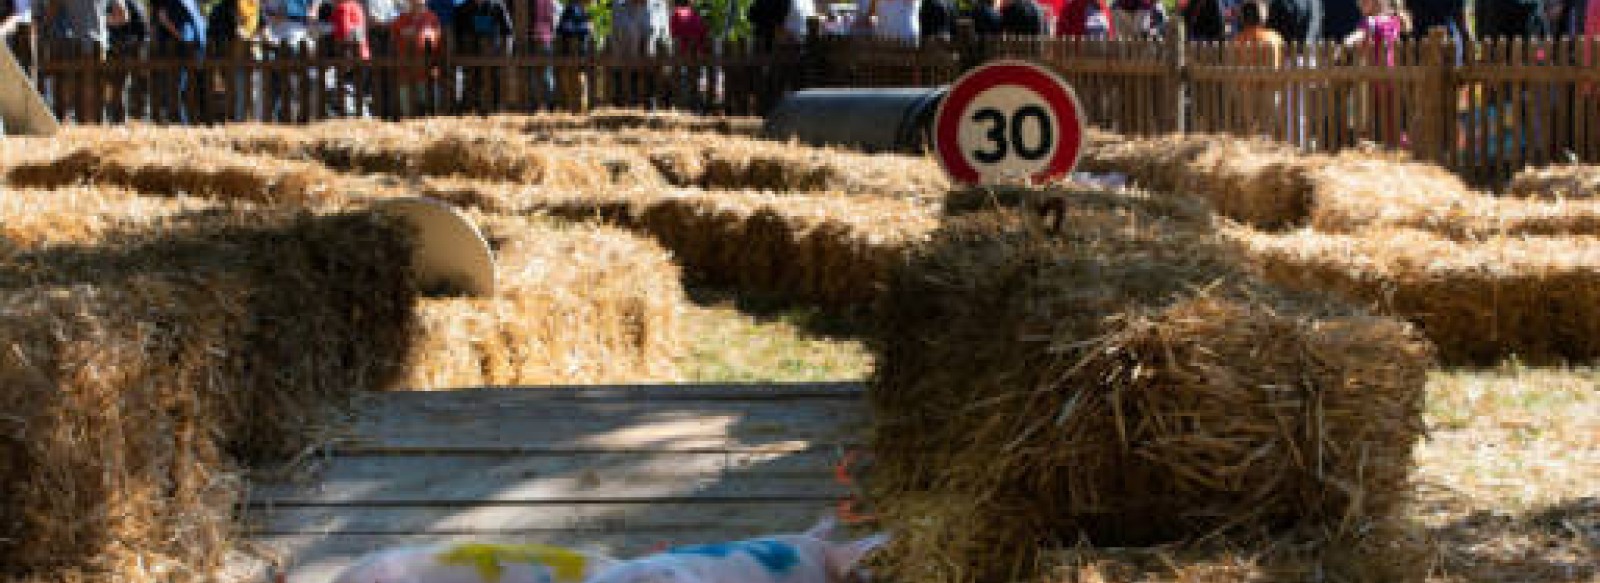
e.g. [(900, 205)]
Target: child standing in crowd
[(1382, 26)]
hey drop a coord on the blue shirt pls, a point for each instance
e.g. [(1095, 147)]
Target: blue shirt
[(445, 10), (296, 9)]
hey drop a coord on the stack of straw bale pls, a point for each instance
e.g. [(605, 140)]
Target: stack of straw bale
[(182, 169), (1124, 383), (831, 249), (140, 367), (573, 305), (1535, 298), (1270, 186), (1557, 182)]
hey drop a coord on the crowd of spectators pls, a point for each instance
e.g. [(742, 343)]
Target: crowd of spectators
[(197, 30)]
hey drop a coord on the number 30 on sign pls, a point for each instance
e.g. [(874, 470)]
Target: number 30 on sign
[(1008, 122)]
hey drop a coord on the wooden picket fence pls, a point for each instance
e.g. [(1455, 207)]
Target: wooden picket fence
[(1485, 108), (299, 83)]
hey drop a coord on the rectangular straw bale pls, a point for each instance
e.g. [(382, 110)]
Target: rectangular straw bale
[(832, 250), (574, 305), (1123, 382), (35, 218), (1567, 181), (1353, 192), (1253, 181), (107, 448), (782, 167), (183, 169), (1536, 298), (1479, 215), (143, 366), (829, 248)]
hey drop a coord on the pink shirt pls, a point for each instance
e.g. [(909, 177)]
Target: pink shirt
[(543, 21), (1383, 31)]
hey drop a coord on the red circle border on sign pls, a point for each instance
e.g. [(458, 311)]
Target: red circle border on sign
[(1063, 107)]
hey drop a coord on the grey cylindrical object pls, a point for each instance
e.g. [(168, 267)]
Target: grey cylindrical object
[(875, 120)]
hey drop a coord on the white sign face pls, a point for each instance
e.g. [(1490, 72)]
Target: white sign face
[(21, 109), (1009, 134), (1008, 122)]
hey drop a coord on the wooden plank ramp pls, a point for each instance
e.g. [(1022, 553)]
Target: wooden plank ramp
[(620, 470)]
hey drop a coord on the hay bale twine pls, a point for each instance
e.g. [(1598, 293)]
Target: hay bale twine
[(1123, 383)]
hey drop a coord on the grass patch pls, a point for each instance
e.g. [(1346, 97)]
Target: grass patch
[(1510, 478), (750, 339)]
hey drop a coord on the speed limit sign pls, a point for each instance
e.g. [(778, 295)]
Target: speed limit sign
[(1008, 122)]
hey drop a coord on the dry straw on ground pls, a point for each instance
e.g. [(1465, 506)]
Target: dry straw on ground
[(1557, 182), (1124, 383), (140, 367), (574, 304), (1535, 298)]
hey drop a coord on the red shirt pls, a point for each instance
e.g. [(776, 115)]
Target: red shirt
[(350, 26), (688, 29), (415, 33)]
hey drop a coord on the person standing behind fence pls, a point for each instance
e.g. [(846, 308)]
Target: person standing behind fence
[(1340, 19), (636, 37), (1381, 27), (181, 33), (691, 38), (766, 17), (1023, 18), (80, 26), (416, 36), (348, 40), (1525, 19), (1137, 18), (575, 32), (1204, 20), (1254, 34), (897, 19), (1296, 20), (542, 18), (291, 21), (985, 15), (1257, 45), (937, 19), (1085, 18), (130, 36), (234, 25), (380, 20), (483, 29)]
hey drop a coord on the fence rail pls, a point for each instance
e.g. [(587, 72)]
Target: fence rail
[(1484, 108)]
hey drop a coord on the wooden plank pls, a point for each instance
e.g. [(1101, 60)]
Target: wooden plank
[(594, 477), (653, 516), (510, 421), (659, 392)]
